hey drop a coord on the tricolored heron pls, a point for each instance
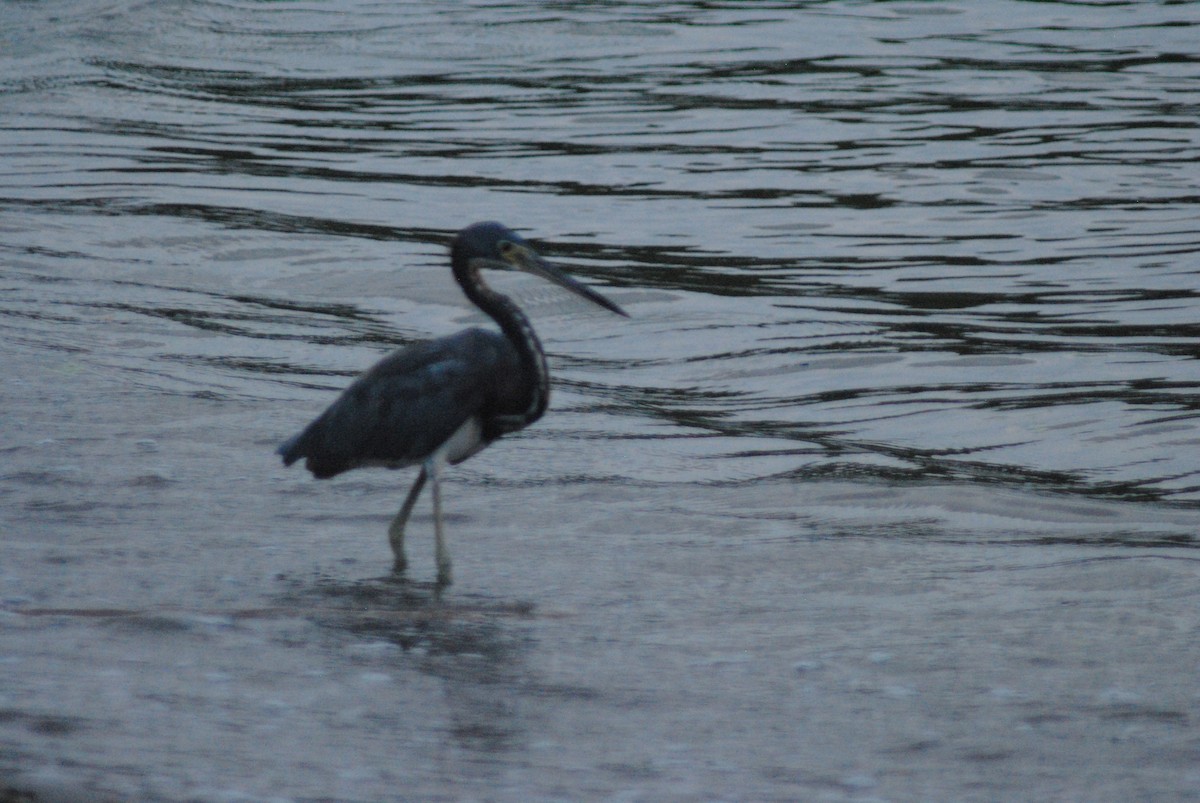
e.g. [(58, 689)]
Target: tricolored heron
[(439, 402)]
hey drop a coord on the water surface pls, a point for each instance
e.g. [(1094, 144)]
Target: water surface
[(887, 490)]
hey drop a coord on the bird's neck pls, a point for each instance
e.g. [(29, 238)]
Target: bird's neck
[(519, 331)]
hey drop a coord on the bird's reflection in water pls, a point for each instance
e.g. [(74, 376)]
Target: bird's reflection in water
[(474, 646)]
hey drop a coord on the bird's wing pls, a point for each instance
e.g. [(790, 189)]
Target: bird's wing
[(410, 403)]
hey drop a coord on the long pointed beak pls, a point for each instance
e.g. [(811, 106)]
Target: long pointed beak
[(526, 260)]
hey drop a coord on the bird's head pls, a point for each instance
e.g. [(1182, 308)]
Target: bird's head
[(494, 245)]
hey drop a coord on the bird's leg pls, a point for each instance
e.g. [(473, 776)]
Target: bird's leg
[(433, 467), (396, 529)]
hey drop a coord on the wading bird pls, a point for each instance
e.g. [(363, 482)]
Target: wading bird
[(439, 402)]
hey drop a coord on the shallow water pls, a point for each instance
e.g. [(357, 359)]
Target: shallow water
[(887, 490)]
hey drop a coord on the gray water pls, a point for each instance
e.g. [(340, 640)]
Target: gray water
[(888, 490)]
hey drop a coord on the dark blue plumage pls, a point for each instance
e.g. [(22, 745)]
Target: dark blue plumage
[(411, 402), (439, 402)]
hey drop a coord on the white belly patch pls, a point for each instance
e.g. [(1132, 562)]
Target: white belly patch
[(466, 441)]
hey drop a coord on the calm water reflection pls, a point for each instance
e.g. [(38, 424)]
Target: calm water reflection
[(910, 241), (949, 248)]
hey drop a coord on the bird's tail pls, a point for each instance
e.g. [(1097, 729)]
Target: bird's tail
[(318, 460), (292, 449)]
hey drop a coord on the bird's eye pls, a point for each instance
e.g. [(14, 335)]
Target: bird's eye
[(506, 248)]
